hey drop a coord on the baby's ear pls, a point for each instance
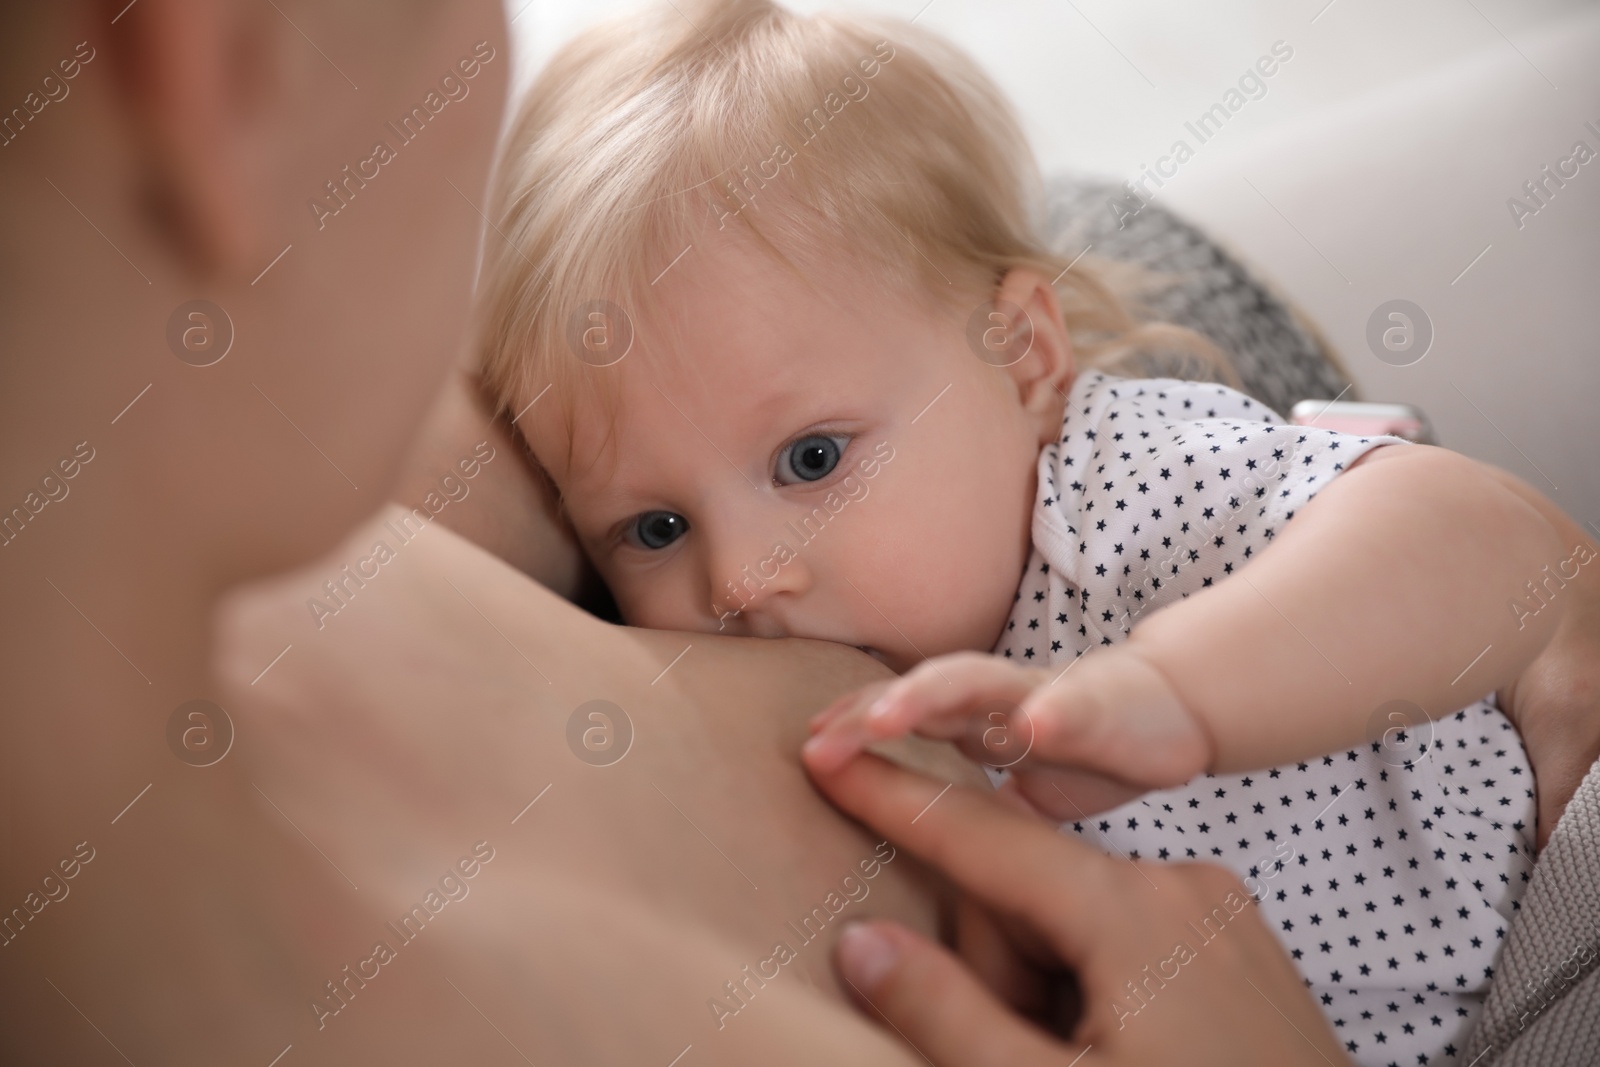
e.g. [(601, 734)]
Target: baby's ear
[(1039, 349)]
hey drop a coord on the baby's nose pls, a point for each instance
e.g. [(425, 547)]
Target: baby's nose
[(756, 582)]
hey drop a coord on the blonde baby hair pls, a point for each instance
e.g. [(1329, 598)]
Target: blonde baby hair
[(827, 134)]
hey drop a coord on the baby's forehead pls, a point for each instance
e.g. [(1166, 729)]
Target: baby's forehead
[(732, 347), (704, 398)]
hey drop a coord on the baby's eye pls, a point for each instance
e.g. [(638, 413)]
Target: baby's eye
[(657, 529), (809, 458)]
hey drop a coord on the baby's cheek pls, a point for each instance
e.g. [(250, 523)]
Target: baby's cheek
[(974, 563), (974, 602), (930, 586), (654, 604), (635, 604)]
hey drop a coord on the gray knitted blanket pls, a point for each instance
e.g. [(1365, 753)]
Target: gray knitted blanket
[(1544, 1007), (1278, 355)]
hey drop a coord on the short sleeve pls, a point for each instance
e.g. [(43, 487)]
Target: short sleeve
[(1158, 488)]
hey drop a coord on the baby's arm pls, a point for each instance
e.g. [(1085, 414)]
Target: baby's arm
[(1394, 583)]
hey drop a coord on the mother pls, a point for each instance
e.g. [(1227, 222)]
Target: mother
[(400, 773)]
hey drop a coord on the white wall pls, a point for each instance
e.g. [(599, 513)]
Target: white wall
[(1377, 166)]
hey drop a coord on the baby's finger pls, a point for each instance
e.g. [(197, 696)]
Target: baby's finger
[(838, 734), (1116, 714), (950, 688), (855, 699), (934, 699), (841, 741)]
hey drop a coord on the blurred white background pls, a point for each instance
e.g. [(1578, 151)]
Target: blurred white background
[(1381, 158)]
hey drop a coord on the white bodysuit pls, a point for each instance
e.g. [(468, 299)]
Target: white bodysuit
[(1388, 872)]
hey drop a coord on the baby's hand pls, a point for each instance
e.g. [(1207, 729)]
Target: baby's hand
[(1089, 736)]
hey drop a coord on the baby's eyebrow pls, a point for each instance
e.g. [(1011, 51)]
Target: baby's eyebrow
[(613, 500)]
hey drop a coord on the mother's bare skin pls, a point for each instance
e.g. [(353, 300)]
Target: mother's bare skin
[(434, 707)]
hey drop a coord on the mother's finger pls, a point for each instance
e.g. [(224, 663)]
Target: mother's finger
[(1074, 895), (1069, 795), (935, 1003), (1106, 919)]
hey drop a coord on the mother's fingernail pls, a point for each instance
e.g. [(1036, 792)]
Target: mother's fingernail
[(866, 955)]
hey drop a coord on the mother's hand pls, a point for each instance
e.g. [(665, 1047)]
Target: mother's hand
[(1041, 905)]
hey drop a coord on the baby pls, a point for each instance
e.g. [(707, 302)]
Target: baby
[(766, 300)]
